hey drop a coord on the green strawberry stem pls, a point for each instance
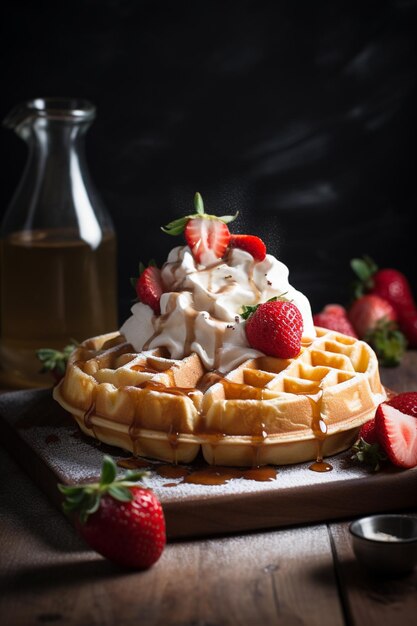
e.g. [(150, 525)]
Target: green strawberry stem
[(249, 309), (55, 360), (388, 342), (85, 499), (176, 227), (364, 269), (369, 454)]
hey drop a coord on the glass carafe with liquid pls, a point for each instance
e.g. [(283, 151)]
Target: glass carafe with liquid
[(58, 246)]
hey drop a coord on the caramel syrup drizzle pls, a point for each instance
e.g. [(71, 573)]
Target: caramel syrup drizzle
[(215, 474)]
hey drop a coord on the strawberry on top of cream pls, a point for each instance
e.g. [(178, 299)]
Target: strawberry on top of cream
[(201, 307)]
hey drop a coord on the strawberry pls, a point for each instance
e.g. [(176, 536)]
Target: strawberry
[(122, 521), (405, 402), (208, 239), (366, 311), (249, 243), (274, 327), (207, 235), (368, 432), (397, 435), (394, 287), (374, 320), (334, 317), (408, 324), (149, 287)]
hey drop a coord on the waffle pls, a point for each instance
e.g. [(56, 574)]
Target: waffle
[(266, 411)]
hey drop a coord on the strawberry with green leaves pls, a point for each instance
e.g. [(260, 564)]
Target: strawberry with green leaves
[(391, 435), (207, 236), (334, 317), (118, 518), (274, 327), (391, 285), (375, 320)]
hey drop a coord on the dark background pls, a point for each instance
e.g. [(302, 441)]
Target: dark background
[(300, 115)]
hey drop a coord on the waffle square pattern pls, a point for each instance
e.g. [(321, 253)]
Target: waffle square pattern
[(266, 411)]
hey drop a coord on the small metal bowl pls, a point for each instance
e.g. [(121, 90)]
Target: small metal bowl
[(385, 544)]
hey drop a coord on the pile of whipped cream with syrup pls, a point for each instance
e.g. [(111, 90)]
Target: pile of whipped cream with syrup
[(202, 296)]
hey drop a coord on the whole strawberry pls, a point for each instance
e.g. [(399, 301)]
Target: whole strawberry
[(374, 320), (405, 402), (121, 520), (207, 236), (274, 327), (334, 317)]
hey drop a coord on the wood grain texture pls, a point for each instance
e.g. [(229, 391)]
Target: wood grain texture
[(367, 598), (48, 576), (48, 445)]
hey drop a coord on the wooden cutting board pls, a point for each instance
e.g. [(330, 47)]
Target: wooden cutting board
[(47, 443)]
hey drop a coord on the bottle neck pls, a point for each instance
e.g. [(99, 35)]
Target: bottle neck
[(55, 190)]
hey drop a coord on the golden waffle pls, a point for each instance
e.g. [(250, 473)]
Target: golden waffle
[(266, 411)]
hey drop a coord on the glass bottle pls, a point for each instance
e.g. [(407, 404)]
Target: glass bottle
[(57, 243)]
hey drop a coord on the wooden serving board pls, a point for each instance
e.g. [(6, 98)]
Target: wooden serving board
[(47, 443)]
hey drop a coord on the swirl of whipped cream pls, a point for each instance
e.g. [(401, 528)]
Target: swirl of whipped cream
[(201, 306)]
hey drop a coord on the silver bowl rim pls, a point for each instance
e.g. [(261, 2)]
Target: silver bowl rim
[(394, 544)]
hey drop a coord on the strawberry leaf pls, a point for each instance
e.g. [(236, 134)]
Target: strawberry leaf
[(364, 269), (55, 360), (198, 204), (176, 227), (108, 471), (369, 454), (85, 499), (388, 342), (123, 494)]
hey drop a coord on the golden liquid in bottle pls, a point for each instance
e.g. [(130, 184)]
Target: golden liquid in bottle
[(54, 288)]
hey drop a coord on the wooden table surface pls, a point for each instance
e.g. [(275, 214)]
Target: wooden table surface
[(290, 577)]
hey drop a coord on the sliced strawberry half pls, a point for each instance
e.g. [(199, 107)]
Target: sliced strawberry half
[(397, 434), (208, 239), (149, 288), (249, 243), (207, 235)]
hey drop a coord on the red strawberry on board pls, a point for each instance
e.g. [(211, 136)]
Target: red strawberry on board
[(119, 519), (149, 288), (334, 317), (207, 235), (391, 434), (405, 402), (393, 286), (397, 435), (249, 243), (274, 327), (374, 320), (368, 432)]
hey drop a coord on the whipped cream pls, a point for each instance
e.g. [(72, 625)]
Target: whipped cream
[(201, 306)]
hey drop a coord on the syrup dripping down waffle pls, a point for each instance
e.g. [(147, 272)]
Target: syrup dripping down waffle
[(266, 411)]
